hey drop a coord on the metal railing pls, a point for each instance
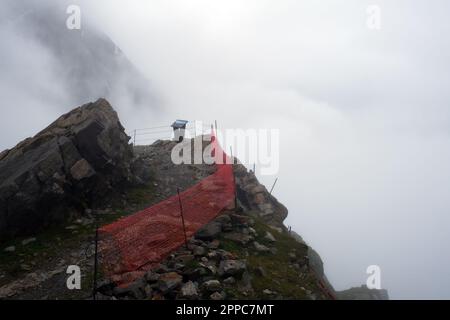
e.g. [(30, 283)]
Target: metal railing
[(147, 136)]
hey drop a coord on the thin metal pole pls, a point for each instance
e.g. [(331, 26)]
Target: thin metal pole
[(134, 139), (231, 154), (234, 182), (273, 186), (182, 217), (235, 194), (94, 290), (254, 168)]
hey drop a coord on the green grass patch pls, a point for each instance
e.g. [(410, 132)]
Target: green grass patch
[(230, 246), (142, 196)]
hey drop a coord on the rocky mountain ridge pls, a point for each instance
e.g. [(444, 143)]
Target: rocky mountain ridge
[(82, 169)]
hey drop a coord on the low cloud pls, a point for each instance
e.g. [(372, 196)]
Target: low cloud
[(363, 114)]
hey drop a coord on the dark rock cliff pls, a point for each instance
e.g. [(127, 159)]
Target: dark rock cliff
[(77, 161)]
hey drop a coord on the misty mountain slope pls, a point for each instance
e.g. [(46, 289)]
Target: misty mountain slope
[(85, 63)]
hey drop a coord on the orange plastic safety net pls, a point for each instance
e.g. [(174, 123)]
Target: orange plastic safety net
[(137, 243)]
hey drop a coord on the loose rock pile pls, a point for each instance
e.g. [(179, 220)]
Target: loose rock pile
[(202, 270)]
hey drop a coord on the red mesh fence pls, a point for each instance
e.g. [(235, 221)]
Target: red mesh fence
[(137, 243)]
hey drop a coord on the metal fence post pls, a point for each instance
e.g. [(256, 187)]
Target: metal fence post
[(94, 289), (234, 181), (273, 186), (182, 217)]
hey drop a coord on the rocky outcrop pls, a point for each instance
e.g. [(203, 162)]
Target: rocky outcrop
[(166, 175), (85, 153), (315, 264), (254, 196), (363, 293), (297, 237), (76, 162)]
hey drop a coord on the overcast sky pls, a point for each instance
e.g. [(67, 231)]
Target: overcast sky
[(363, 114)]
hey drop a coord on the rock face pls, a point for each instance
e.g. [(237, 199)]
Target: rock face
[(254, 196), (77, 161), (314, 262), (166, 175)]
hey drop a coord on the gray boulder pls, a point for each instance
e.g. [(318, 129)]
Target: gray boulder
[(10, 249), (189, 291), (229, 281), (232, 267), (270, 237), (199, 251), (135, 290), (212, 285), (209, 231), (260, 247), (217, 296), (169, 281)]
